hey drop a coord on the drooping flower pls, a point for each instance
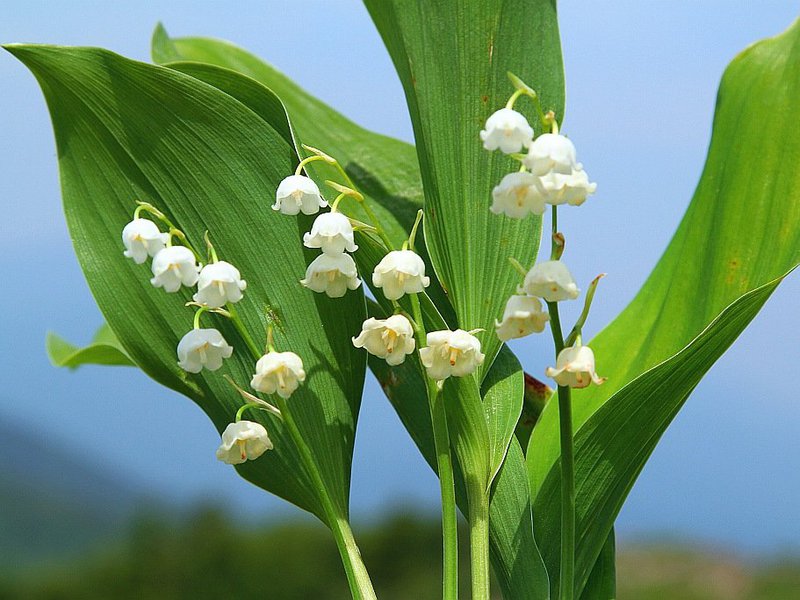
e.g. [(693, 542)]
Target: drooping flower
[(391, 339), (551, 153), (455, 353), (202, 348), (142, 238), (218, 284), (400, 272), (508, 130), (174, 266), (572, 188), (332, 233), (518, 195), (298, 193), (522, 316), (333, 275), (575, 367), (550, 280), (243, 441), (278, 373), (562, 180)]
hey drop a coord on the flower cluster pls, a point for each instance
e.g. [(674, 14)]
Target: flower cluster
[(549, 173), (219, 285)]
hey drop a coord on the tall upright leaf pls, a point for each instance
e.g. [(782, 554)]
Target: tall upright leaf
[(452, 58), (740, 236), (128, 131)]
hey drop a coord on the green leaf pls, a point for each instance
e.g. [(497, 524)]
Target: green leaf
[(602, 582), (384, 169), (740, 236), (452, 59), (128, 131), (104, 349)]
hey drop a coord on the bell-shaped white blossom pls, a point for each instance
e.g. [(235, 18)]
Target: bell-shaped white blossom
[(551, 153), (400, 272), (508, 130), (243, 441), (571, 188), (218, 284), (333, 275), (142, 238), (332, 233), (552, 281), (391, 339), (298, 193), (575, 368), (518, 195), (522, 316), (173, 267), (455, 353), (202, 348), (278, 373)]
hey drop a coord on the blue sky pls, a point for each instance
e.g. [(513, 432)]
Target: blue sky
[(641, 84)]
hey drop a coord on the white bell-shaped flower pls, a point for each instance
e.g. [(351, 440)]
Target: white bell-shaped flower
[(333, 275), (456, 353), (332, 233), (522, 316), (571, 188), (575, 368), (551, 153), (278, 373), (552, 281), (391, 339), (298, 193), (518, 195), (202, 348), (218, 284), (142, 238), (243, 441), (508, 130), (400, 272), (174, 266)]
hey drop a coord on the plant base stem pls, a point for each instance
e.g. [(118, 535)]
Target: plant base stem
[(567, 573), (479, 543)]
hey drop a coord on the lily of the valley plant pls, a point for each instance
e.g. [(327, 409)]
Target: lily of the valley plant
[(252, 217)]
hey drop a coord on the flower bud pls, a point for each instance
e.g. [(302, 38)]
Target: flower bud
[(142, 238), (551, 153), (332, 233), (400, 272), (243, 441), (391, 339), (278, 373), (508, 130), (202, 348), (550, 280), (298, 193), (218, 284), (523, 315), (575, 368), (456, 353), (518, 195), (173, 267), (333, 275)]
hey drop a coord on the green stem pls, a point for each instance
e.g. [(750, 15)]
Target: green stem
[(567, 572), (479, 541), (357, 576), (444, 466)]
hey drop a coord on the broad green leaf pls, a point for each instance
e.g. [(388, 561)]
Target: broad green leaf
[(452, 59), (104, 349), (128, 131), (383, 168), (740, 236), (602, 582)]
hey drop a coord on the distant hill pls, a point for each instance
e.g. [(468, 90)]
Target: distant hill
[(54, 504)]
